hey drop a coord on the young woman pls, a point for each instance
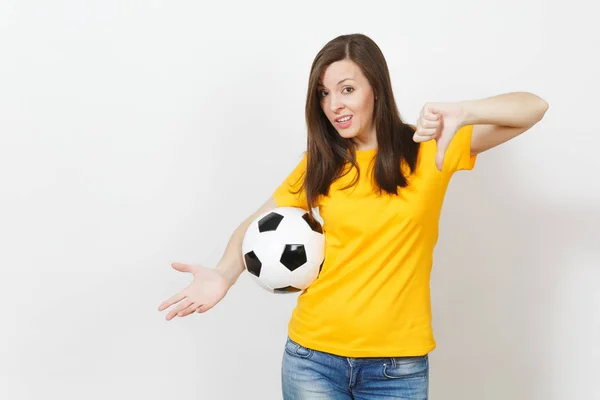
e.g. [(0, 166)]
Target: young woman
[(363, 330)]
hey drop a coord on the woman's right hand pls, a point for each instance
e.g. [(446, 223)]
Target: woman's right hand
[(207, 289)]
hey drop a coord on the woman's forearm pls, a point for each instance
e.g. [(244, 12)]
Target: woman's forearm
[(517, 109)]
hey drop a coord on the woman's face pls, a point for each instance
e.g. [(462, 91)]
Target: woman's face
[(347, 100)]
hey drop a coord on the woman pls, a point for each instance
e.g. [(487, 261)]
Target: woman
[(363, 330)]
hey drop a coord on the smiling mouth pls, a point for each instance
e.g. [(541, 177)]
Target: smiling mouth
[(344, 119)]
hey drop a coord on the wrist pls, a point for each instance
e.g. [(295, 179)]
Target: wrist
[(229, 273), (468, 113)]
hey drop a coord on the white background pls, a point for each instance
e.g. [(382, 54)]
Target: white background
[(137, 133)]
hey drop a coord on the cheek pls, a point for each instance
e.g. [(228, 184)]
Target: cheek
[(364, 110)]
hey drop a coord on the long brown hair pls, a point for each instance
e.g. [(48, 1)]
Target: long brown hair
[(327, 152)]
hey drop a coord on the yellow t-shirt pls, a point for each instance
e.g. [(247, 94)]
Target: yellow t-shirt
[(372, 297)]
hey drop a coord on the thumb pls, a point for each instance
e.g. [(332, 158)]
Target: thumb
[(433, 109), (442, 146), (181, 267)]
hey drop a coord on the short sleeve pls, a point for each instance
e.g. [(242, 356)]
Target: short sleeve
[(458, 155), (285, 195)]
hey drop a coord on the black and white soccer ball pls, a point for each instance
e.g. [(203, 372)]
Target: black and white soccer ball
[(283, 250)]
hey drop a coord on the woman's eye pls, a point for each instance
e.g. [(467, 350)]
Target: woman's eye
[(322, 93), (350, 90)]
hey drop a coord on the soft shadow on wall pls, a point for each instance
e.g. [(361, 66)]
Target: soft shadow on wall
[(515, 310)]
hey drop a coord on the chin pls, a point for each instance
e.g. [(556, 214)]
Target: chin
[(347, 135)]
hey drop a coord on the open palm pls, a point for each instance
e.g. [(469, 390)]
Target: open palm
[(208, 288)]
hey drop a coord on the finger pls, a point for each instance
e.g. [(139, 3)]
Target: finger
[(181, 267), (431, 116), (420, 139), (204, 308), (430, 123), (418, 124), (431, 109), (426, 131), (439, 160), (168, 303), (442, 146), (181, 306), (423, 138), (189, 310)]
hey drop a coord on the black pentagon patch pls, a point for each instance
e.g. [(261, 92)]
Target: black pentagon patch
[(269, 222), (287, 289), (293, 256), (314, 224), (253, 264)]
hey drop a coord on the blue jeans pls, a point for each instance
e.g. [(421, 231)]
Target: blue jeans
[(313, 375)]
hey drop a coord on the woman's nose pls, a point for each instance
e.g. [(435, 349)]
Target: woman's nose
[(335, 104)]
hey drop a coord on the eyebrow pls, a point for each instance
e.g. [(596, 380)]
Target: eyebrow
[(343, 80)]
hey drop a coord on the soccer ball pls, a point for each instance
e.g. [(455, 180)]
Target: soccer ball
[(283, 250)]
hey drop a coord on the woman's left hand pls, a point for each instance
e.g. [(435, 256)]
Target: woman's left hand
[(439, 122)]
